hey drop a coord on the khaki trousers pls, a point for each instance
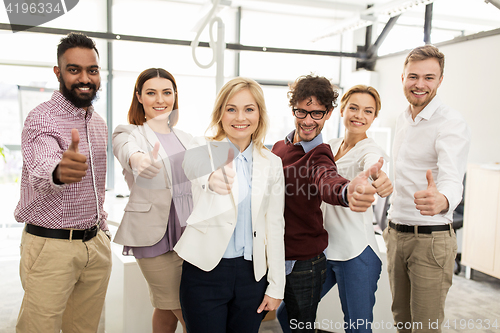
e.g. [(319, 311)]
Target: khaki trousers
[(163, 275), (64, 283), (420, 268)]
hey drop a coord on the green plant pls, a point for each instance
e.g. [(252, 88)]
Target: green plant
[(3, 155)]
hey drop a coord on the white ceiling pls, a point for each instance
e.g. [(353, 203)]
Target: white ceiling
[(468, 15), (450, 19)]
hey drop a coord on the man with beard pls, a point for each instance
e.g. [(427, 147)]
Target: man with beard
[(65, 247), (310, 178), (430, 150)]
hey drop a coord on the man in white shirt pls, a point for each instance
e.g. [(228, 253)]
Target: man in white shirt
[(430, 155)]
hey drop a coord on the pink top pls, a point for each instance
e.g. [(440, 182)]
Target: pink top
[(182, 202)]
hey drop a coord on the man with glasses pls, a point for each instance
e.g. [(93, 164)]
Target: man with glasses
[(310, 178)]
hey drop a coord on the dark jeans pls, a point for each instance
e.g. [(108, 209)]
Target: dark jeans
[(224, 300), (303, 293), (357, 283)]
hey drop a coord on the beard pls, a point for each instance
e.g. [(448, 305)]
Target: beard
[(80, 101), (416, 102), (307, 137)]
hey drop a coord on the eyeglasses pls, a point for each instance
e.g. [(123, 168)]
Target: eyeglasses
[(315, 114)]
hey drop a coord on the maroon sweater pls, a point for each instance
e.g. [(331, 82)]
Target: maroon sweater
[(309, 179)]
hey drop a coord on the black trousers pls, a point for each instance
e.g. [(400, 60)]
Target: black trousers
[(303, 293), (225, 299)]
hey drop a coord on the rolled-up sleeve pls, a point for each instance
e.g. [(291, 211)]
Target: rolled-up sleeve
[(42, 148)]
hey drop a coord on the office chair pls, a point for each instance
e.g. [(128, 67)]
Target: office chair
[(380, 212), (458, 222)]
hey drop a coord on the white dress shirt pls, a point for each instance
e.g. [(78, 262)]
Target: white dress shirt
[(349, 233), (438, 139)]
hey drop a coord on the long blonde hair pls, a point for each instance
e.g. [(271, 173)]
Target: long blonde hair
[(225, 94)]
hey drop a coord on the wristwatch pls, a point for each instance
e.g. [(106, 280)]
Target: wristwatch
[(108, 233)]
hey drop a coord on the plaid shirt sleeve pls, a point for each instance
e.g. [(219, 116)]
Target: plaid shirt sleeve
[(42, 151)]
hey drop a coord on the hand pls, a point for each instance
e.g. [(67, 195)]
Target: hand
[(221, 180), (268, 304), (430, 201), (73, 166), (360, 193), (146, 165), (382, 183)]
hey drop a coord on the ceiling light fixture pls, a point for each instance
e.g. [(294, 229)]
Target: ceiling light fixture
[(369, 16), (393, 8)]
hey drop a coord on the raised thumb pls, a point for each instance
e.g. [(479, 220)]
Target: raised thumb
[(156, 149), (430, 179), (75, 140), (230, 157), (374, 169), (364, 175)]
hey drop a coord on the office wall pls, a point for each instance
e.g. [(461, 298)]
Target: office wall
[(471, 85)]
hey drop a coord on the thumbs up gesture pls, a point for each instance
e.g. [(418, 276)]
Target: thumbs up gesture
[(146, 165), (430, 201), (360, 192), (382, 183), (221, 180), (73, 166)]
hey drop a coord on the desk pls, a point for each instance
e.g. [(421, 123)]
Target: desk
[(481, 235), (330, 316), (128, 309)]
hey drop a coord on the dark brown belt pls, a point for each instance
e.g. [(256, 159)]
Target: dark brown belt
[(84, 235), (421, 229)]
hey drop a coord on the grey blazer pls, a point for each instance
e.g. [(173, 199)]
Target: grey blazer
[(145, 219)]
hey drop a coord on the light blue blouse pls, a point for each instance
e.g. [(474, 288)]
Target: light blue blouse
[(241, 242)]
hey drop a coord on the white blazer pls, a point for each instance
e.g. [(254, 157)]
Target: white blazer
[(145, 219), (214, 216)]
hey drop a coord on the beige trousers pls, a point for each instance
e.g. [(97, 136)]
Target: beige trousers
[(64, 283), (420, 268)]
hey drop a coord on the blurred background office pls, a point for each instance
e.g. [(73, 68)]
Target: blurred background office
[(274, 42)]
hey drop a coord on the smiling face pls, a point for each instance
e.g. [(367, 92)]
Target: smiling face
[(157, 97), (421, 79), (359, 113), (240, 118), (307, 129), (78, 75)]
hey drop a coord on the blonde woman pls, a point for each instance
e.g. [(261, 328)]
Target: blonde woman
[(233, 247)]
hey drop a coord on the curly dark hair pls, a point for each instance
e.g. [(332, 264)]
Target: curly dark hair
[(311, 85), (75, 39)]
